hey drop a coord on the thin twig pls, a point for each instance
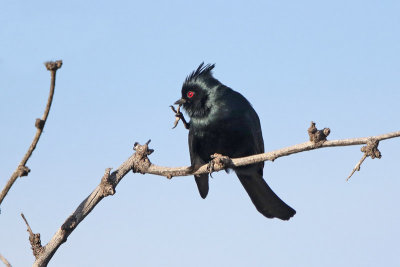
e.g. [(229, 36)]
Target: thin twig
[(22, 169), (5, 261), (27, 224), (357, 167)]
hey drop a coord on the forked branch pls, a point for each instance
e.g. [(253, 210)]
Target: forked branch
[(140, 163)]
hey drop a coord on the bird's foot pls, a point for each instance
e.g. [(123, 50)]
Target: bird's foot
[(218, 162), (179, 116)]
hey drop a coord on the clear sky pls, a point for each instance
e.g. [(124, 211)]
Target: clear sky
[(333, 62)]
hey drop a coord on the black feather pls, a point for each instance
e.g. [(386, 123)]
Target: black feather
[(201, 71)]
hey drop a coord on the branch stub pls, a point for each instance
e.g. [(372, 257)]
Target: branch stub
[(107, 185), (39, 124), (318, 137), (23, 171), (371, 149), (141, 162), (53, 65)]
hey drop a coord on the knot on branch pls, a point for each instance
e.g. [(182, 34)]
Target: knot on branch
[(318, 137), (106, 184), (39, 124), (69, 224), (141, 162), (34, 239), (218, 162), (23, 171), (273, 157), (371, 149), (36, 244), (53, 65)]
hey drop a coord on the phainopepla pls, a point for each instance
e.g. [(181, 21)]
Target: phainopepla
[(223, 121)]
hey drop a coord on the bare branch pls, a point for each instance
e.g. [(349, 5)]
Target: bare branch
[(139, 163), (269, 156), (5, 261), (22, 169)]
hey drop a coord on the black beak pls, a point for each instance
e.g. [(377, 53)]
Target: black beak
[(180, 101)]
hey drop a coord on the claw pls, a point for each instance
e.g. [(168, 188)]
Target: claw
[(217, 160), (210, 167)]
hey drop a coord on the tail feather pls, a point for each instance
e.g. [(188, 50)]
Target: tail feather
[(202, 184), (265, 200)]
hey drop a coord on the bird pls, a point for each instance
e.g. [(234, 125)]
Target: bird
[(223, 121)]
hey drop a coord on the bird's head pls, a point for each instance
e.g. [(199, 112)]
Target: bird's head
[(196, 90)]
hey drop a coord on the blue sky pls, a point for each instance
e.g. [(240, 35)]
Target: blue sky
[(336, 63)]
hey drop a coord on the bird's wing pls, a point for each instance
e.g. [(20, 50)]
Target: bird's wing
[(256, 130)]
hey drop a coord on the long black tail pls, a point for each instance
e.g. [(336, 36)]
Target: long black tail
[(202, 184), (265, 200)]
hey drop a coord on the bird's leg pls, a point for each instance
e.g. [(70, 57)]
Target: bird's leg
[(179, 116), (218, 161)]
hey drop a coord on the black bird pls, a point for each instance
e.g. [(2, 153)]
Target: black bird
[(223, 121)]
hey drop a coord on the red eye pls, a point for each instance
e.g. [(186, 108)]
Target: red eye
[(190, 94)]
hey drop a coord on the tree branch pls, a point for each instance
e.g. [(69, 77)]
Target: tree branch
[(139, 163), (104, 189), (22, 169), (269, 156), (5, 261)]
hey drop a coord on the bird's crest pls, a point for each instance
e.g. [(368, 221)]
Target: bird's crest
[(201, 71)]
